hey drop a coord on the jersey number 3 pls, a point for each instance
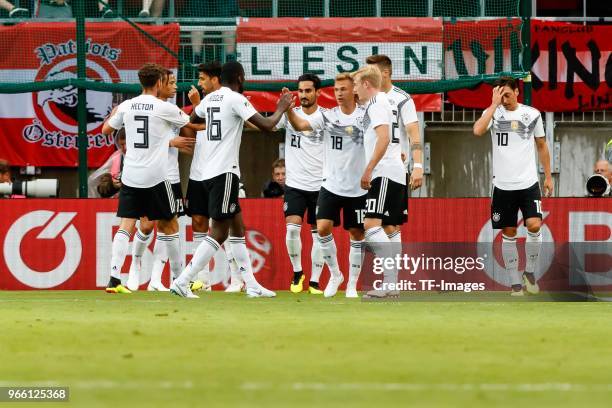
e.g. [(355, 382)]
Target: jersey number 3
[(144, 131), (213, 126)]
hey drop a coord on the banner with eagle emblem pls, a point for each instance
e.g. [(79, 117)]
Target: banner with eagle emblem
[(40, 128)]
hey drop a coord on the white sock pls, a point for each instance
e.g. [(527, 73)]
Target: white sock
[(203, 254), (234, 274), (510, 255), (204, 273), (294, 246), (241, 256), (121, 242), (378, 241), (160, 257), (533, 245), (138, 247), (355, 261), (173, 246), (316, 256), (330, 254), (396, 241)]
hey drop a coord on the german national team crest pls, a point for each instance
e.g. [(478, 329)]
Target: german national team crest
[(525, 118), (496, 217)]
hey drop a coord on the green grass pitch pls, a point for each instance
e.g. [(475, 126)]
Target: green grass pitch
[(153, 349)]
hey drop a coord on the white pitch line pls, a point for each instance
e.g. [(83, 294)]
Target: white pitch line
[(417, 387), (319, 386)]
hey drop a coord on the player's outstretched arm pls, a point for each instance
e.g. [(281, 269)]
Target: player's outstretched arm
[(544, 156), (107, 129), (269, 123), (382, 141), (482, 125), (297, 122), (183, 143)]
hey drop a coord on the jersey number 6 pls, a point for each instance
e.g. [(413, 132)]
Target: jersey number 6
[(213, 126)]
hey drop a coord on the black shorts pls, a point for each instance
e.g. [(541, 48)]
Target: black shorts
[(329, 206), (215, 198), (406, 197), (506, 203), (155, 203), (178, 196), (385, 201), (297, 201)]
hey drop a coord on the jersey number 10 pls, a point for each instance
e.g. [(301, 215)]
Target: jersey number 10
[(502, 139)]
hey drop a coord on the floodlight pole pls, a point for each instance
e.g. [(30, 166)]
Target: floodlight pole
[(526, 12), (78, 7)]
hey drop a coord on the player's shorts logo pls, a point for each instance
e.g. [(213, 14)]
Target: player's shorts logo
[(21, 244), (496, 217), (232, 208), (285, 206)]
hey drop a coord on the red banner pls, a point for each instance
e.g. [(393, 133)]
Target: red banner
[(66, 244), (266, 101), (572, 69), (40, 128)]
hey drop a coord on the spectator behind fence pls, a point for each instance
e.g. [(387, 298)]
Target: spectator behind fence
[(53, 9), (105, 182), (598, 185), (105, 11), (14, 12), (5, 177), (152, 8), (211, 8), (276, 187)]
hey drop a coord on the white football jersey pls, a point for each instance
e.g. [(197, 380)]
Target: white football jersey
[(512, 136), (148, 124), (304, 153), (217, 148), (404, 112), (378, 112), (173, 165), (344, 152)]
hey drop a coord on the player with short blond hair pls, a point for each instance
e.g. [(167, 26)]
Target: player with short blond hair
[(384, 176)]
